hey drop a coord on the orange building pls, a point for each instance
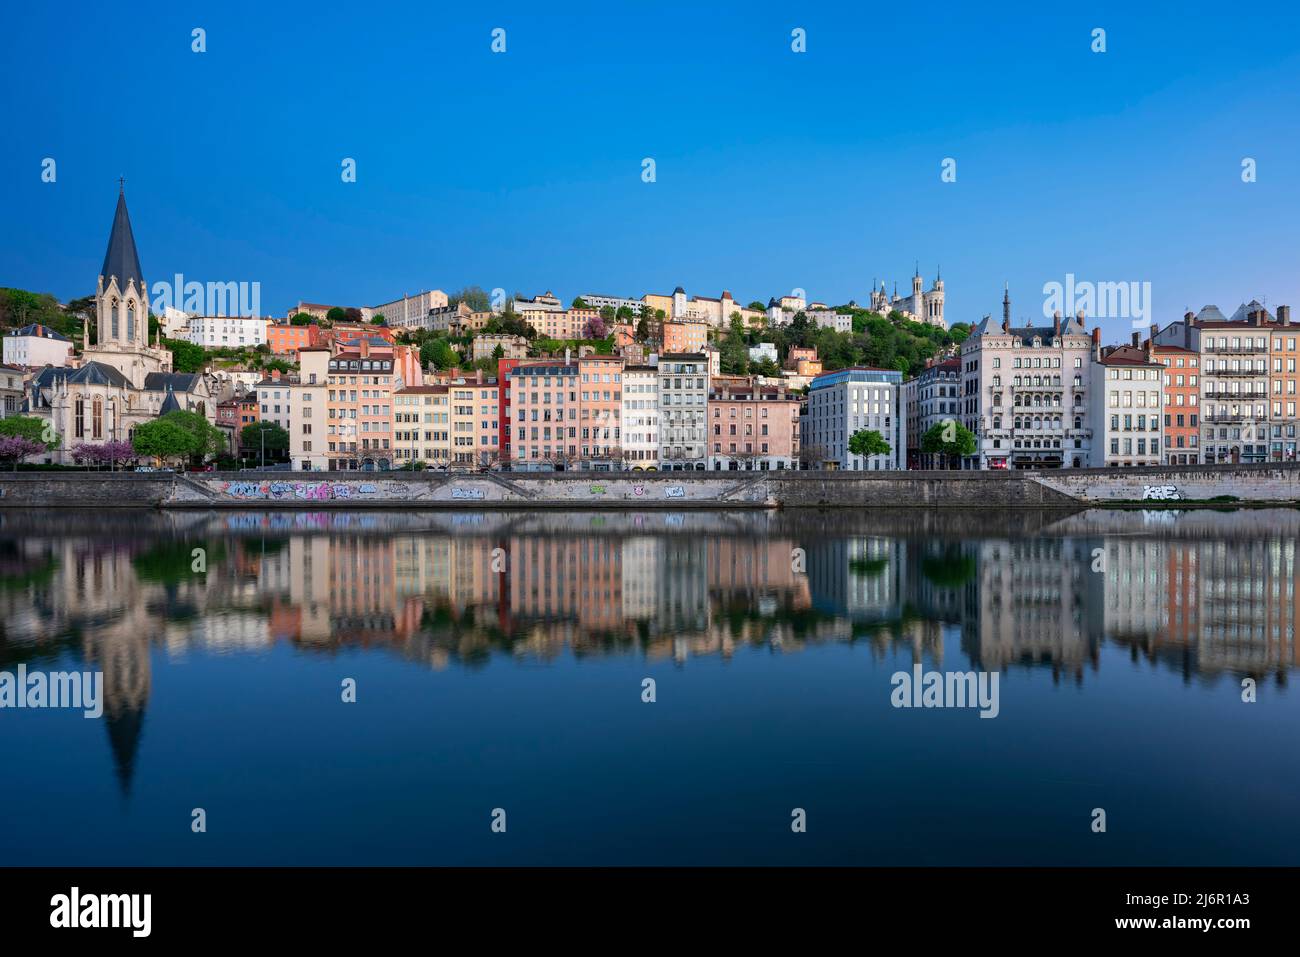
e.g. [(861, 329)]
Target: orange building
[(1181, 414), (600, 406), (285, 339), (360, 402), (682, 337)]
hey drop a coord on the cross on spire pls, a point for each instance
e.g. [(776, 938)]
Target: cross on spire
[(121, 185)]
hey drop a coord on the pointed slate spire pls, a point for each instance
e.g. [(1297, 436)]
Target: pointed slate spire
[(169, 404), (122, 260)]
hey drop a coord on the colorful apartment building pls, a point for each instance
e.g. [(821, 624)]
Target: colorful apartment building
[(544, 402), (1182, 389), (682, 337), (422, 426), (285, 339), (600, 404), (752, 427)]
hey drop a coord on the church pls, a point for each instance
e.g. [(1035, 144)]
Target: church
[(921, 306), (122, 379)]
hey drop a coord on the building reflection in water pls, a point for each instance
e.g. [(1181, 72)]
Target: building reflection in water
[(1206, 593)]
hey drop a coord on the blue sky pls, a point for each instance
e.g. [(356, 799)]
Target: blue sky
[(775, 170)]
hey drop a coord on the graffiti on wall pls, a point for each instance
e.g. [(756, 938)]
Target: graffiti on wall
[(1161, 493), (307, 491), (475, 493), (675, 491)]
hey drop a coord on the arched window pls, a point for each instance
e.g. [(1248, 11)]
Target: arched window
[(114, 311), (130, 320)]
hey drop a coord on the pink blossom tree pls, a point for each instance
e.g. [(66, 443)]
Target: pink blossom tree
[(15, 448)]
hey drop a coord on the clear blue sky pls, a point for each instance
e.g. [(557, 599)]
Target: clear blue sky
[(775, 170)]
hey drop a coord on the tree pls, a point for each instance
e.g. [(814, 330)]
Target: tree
[(31, 428), (266, 436), (868, 442), (948, 438), (643, 329), (579, 303), (353, 314), (624, 314), (377, 320), (301, 319), (498, 352), (337, 314), (15, 448), (109, 453), (161, 439), (597, 328), (186, 356), (756, 305), (472, 296), (205, 438), (438, 354)]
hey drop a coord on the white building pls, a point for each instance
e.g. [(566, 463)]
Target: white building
[(1024, 393), (275, 400), (36, 346), (848, 401), (1125, 407), (407, 311), (683, 411), (920, 306), (764, 350), (612, 302), (226, 332), (640, 416)]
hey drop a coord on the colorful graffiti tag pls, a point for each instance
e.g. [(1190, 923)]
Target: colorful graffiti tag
[(307, 491), (472, 493), (675, 491)]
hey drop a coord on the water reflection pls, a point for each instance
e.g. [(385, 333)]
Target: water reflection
[(1206, 593)]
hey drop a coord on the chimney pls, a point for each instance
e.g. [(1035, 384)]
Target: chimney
[(1096, 336), (1056, 323), (1006, 324), (1136, 341), (566, 351), (1155, 331), (1284, 315), (365, 347)]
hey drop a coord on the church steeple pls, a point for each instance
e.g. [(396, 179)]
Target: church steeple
[(122, 261)]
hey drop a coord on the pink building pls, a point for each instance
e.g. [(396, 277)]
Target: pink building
[(751, 427)]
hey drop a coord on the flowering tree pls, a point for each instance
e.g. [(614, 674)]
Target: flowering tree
[(110, 453), (15, 448), (596, 328)]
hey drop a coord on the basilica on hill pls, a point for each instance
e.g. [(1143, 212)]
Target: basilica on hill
[(121, 379)]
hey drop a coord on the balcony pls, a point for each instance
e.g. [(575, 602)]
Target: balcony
[(1234, 350), (1227, 419), (1236, 396), (1216, 373)]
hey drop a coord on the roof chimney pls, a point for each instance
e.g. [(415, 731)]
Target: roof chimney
[(1136, 341), (1096, 334), (1284, 315)]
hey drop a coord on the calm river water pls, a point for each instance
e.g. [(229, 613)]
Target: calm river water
[(499, 662)]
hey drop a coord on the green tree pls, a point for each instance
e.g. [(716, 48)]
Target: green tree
[(498, 352), (868, 442), (266, 436), (472, 296), (186, 356), (439, 354), (643, 329), (163, 440), (205, 438), (31, 428), (301, 319), (579, 303), (949, 438), (337, 314)]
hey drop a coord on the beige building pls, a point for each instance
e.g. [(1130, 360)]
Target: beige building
[(422, 426), (409, 310), (308, 421), (512, 347)]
